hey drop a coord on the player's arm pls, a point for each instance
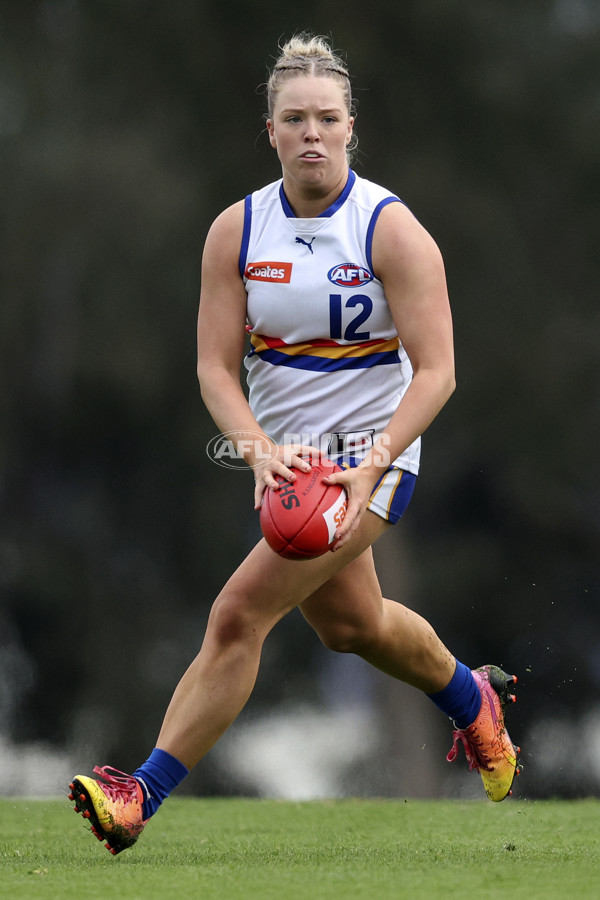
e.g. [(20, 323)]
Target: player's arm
[(221, 321), (221, 337), (409, 263)]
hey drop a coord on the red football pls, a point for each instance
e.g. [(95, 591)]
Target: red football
[(299, 520)]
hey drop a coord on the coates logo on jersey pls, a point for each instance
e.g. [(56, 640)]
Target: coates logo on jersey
[(280, 272), (349, 275)]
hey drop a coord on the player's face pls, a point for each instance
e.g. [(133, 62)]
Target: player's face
[(311, 129)]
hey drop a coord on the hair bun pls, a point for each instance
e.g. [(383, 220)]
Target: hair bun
[(307, 46), (307, 54)]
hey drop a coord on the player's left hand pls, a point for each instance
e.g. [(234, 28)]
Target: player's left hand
[(358, 483)]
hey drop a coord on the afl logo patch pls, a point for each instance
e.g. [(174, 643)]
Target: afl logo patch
[(349, 275)]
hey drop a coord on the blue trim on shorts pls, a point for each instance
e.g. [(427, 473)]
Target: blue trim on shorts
[(402, 494), (400, 499)]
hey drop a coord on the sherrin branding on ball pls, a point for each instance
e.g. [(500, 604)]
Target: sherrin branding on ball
[(300, 519)]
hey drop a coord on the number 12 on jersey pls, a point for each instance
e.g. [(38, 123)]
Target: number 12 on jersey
[(364, 306)]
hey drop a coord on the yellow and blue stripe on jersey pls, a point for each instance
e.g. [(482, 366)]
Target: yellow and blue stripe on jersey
[(325, 355)]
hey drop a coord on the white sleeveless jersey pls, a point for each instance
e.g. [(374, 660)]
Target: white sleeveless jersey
[(326, 366)]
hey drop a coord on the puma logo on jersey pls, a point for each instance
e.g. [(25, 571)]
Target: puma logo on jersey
[(349, 275), (280, 272), (306, 243)]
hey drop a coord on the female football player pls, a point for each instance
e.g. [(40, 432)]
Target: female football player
[(344, 297)]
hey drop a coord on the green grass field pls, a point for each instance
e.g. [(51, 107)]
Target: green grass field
[(230, 849)]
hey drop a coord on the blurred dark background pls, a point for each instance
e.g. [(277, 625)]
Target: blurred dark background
[(126, 126)]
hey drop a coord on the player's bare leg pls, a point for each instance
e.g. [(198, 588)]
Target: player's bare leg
[(219, 681), (213, 690), (349, 614)]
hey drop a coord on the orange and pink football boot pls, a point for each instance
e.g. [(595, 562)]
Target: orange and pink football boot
[(488, 747), (114, 806)]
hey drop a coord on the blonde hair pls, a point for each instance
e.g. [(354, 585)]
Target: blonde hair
[(306, 54)]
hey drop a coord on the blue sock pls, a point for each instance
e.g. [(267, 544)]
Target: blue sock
[(461, 698), (159, 775)]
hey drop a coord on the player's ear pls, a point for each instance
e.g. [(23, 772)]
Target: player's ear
[(271, 130), (350, 129)]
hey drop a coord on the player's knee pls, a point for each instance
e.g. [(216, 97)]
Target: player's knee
[(231, 620), (345, 637)]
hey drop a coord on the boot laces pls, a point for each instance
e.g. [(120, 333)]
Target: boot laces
[(118, 785), (474, 751)]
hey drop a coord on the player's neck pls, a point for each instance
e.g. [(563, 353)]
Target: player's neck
[(310, 200)]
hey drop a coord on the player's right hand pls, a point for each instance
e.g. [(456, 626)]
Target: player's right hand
[(283, 458)]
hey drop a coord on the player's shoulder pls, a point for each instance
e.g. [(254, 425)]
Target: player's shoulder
[(391, 222), (228, 221), (369, 194), (390, 210), (233, 217), (222, 244), (265, 199), (401, 244)]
